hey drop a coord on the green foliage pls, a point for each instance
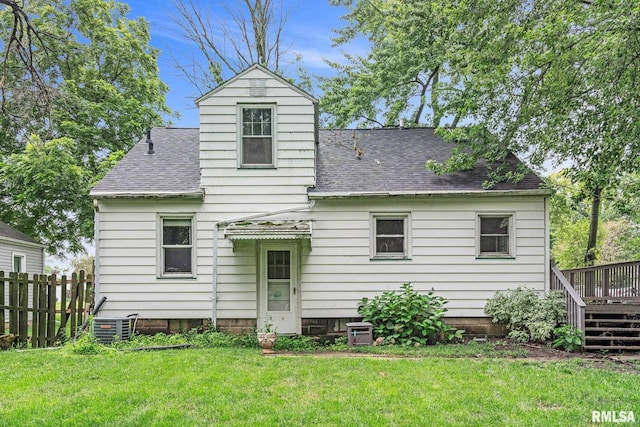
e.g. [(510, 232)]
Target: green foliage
[(295, 343), (86, 345), (568, 338), (98, 91), (527, 316), (194, 337), (407, 317), (237, 387), (619, 233)]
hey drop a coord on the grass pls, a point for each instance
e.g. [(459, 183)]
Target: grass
[(240, 387)]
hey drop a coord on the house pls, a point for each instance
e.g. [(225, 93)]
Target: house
[(19, 252), (260, 216)]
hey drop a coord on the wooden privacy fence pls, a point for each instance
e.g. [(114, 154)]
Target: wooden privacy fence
[(29, 306)]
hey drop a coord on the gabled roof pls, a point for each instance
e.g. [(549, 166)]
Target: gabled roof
[(393, 162), (8, 233), (172, 171), (265, 70)]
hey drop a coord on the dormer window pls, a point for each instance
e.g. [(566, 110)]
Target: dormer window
[(257, 144)]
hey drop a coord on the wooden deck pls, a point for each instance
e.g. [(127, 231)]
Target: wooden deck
[(606, 304)]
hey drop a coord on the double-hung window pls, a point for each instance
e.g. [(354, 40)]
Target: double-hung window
[(390, 236), (176, 246), (19, 262), (257, 144), (495, 236)]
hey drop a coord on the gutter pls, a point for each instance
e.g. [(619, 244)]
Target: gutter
[(146, 194), (476, 193), (216, 232)]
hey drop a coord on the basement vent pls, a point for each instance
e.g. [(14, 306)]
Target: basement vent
[(258, 87), (106, 329)]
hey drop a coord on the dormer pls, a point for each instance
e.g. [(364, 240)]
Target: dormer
[(257, 129)]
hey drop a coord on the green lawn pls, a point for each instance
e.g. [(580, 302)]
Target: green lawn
[(231, 386)]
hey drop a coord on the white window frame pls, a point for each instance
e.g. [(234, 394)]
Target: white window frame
[(161, 273), (274, 145), (23, 261), (512, 235), (373, 252)]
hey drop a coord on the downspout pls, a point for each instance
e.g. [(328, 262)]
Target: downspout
[(96, 258), (216, 232), (547, 246)]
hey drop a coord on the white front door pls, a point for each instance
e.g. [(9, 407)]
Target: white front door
[(279, 287)]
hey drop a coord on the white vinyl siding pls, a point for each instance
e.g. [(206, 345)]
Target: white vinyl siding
[(128, 244), (337, 271), (33, 257), (236, 190)]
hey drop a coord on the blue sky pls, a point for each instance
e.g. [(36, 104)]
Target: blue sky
[(308, 32)]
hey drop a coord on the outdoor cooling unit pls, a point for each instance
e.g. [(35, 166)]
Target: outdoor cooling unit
[(106, 329)]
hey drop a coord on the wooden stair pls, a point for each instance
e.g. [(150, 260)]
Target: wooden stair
[(612, 326)]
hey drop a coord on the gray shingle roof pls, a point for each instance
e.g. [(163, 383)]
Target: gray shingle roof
[(173, 169), (394, 161), (9, 232)]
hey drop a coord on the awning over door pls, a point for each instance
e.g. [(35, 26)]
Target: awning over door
[(268, 230)]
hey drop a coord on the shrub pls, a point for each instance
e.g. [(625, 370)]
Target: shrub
[(568, 338), (527, 316), (295, 343), (407, 317)]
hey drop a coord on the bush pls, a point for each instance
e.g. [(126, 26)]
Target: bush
[(568, 338), (408, 318), (295, 343), (527, 316)]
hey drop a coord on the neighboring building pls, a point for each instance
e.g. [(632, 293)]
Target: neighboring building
[(19, 252), (259, 215)]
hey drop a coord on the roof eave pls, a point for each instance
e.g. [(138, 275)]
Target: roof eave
[(99, 195), (478, 193), (22, 242), (246, 71)]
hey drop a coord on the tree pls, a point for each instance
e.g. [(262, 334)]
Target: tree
[(401, 76), (549, 81), (253, 32), (569, 215), (97, 92)]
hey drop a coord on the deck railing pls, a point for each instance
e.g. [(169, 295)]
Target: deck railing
[(619, 281), (572, 300)]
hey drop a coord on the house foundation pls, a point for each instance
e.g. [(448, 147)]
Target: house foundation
[(473, 326)]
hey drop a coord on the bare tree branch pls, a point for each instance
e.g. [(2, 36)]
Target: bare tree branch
[(231, 38), (21, 44)]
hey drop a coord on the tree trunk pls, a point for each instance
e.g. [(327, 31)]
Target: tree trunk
[(590, 254)]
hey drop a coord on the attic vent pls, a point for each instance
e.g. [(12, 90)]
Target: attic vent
[(258, 87)]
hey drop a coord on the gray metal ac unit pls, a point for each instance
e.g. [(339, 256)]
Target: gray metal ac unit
[(106, 329)]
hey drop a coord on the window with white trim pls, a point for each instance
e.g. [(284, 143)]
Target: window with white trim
[(390, 236), (495, 235), (19, 262), (176, 246), (257, 147)]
